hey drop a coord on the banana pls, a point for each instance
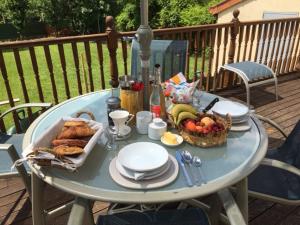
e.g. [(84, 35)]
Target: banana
[(185, 115), (178, 108)]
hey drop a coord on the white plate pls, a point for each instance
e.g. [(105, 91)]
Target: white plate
[(241, 126), (157, 182), (140, 175), (179, 141), (143, 156), (234, 109)]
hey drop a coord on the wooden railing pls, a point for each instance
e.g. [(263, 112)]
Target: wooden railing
[(272, 42)]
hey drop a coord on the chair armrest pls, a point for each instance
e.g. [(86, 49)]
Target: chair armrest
[(7, 102), (27, 105), (232, 210), (280, 165), (5, 147), (272, 123)]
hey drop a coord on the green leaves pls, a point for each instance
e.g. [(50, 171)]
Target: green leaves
[(162, 14), (87, 16)]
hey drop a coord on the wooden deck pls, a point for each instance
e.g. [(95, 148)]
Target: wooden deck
[(15, 205)]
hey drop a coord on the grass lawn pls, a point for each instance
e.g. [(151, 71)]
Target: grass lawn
[(44, 73), (30, 80)]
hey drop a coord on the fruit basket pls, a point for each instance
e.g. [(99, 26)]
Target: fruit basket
[(200, 129)]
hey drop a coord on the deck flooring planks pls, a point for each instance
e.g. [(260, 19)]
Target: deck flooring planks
[(15, 205)]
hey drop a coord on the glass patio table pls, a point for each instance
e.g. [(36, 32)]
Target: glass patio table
[(223, 166)]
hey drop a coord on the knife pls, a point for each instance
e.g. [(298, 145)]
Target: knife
[(210, 105), (185, 172)]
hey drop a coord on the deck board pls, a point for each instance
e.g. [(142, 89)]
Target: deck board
[(15, 205)]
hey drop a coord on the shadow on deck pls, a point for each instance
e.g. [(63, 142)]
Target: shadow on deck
[(15, 205)]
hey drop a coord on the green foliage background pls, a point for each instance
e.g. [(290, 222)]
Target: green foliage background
[(87, 16)]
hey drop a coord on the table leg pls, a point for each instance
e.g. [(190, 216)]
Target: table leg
[(37, 200), (215, 209), (242, 197), (81, 213)]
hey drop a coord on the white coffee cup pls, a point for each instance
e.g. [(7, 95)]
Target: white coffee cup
[(121, 118), (143, 119)]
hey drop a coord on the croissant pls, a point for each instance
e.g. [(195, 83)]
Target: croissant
[(74, 123), (62, 150), (70, 142), (76, 132)]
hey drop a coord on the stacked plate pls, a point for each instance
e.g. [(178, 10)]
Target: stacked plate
[(143, 163), (239, 114)]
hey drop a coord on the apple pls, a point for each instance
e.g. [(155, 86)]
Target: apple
[(207, 121), (190, 126), (199, 129)]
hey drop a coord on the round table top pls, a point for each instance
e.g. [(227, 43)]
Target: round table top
[(222, 166)]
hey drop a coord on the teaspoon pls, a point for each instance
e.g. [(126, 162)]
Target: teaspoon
[(188, 159), (198, 163)]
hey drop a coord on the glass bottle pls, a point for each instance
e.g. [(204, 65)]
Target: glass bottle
[(156, 104)]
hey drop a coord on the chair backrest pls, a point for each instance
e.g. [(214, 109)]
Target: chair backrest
[(290, 150), (170, 54), (23, 120)]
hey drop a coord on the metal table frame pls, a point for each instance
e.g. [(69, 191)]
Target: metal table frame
[(85, 194)]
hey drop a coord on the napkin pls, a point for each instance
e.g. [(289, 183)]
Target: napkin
[(45, 139), (179, 89)]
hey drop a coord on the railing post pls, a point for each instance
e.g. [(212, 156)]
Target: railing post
[(112, 45), (234, 30)]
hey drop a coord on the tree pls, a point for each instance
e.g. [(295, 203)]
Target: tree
[(14, 11), (172, 13), (78, 16), (195, 15)]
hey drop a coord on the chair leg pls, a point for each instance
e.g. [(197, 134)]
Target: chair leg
[(21, 169), (248, 94), (276, 89)]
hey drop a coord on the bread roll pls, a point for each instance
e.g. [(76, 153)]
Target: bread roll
[(76, 132), (70, 142)]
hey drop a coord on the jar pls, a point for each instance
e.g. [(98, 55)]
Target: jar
[(156, 129), (113, 103)]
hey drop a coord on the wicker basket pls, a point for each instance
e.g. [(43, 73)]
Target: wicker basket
[(211, 139)]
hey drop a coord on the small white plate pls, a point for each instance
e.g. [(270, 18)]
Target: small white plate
[(245, 126), (234, 109), (141, 175), (143, 156), (179, 141)]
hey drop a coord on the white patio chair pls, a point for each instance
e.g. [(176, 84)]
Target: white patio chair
[(252, 74)]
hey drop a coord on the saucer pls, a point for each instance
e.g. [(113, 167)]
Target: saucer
[(125, 133), (179, 141)]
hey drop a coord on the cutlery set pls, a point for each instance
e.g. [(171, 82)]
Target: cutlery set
[(191, 167)]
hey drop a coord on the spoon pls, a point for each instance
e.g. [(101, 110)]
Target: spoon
[(198, 163), (188, 159)]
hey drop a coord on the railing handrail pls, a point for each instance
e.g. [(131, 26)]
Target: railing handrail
[(52, 40), (255, 22)]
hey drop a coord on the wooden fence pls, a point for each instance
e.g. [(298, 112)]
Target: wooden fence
[(272, 42)]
